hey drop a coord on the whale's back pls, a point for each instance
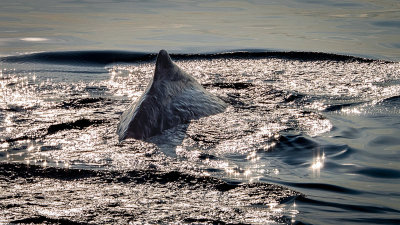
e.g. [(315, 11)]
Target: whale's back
[(173, 97)]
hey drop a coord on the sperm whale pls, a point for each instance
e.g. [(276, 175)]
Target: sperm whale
[(172, 97)]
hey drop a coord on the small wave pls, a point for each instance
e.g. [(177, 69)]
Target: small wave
[(379, 173), (85, 102), (384, 140), (54, 128), (359, 208), (345, 153), (371, 220), (46, 220), (85, 58), (79, 124), (14, 170), (393, 99), (99, 58), (305, 56), (236, 86), (297, 141), (338, 107), (325, 187), (80, 196)]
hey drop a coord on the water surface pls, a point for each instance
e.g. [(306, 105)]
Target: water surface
[(307, 138), (365, 28)]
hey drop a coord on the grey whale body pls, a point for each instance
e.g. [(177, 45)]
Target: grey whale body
[(172, 97)]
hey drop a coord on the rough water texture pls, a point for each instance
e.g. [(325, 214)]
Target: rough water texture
[(306, 137), (77, 196)]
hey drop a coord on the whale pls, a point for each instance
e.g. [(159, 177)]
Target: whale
[(171, 98)]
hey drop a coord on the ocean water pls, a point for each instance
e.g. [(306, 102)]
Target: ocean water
[(363, 28), (310, 136)]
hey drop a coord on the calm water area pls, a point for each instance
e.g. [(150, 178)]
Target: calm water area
[(366, 28)]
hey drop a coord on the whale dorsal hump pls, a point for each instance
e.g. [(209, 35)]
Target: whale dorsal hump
[(173, 97), (164, 65)]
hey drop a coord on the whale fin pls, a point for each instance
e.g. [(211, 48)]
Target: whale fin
[(172, 97), (163, 64)]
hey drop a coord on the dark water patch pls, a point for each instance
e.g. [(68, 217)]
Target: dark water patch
[(45, 148), (379, 173), (14, 108), (395, 45), (349, 133), (332, 3), (8, 206), (96, 90), (304, 56), (289, 220), (204, 156), (18, 148), (46, 220), (338, 107), (18, 108), (324, 187), (203, 221), (52, 129), (85, 102), (299, 148), (11, 84), (387, 23), (101, 58), (2, 78), (174, 177), (79, 124), (99, 71), (385, 141), (233, 99), (203, 139), (394, 99), (84, 58), (20, 138), (14, 171), (297, 141), (236, 86), (40, 70), (213, 170), (351, 207), (371, 220)]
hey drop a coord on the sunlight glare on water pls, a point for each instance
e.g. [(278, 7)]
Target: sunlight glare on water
[(318, 163), (321, 124), (252, 111), (271, 131)]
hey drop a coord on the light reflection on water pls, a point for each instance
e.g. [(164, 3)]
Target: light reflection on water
[(318, 163), (267, 132), (129, 81)]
